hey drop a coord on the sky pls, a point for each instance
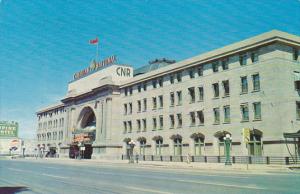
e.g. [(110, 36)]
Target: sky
[(42, 43)]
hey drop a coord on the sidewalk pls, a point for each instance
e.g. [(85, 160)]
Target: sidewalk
[(216, 167)]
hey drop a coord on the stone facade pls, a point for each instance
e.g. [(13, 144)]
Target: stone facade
[(251, 84)]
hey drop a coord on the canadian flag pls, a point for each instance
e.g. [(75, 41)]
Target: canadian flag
[(94, 41)]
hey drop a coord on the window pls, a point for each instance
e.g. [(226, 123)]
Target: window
[(126, 91), (244, 84), (200, 71), (139, 88), (192, 118), (225, 64), (161, 122), (130, 90), (222, 150), (161, 101), (172, 99), (129, 126), (154, 102), (295, 54), (216, 90), (257, 110), (192, 94), (145, 104), (139, 106), (160, 82), (172, 121), (245, 112), (154, 83), (200, 116), (172, 79), (177, 147), (198, 146), (144, 125), (158, 146), (145, 86), (138, 123), (125, 126), (192, 73), (201, 93), (215, 66), (226, 87), (179, 97), (142, 147), (217, 116), (130, 108), (255, 145), (298, 110), (226, 114), (256, 82), (297, 80), (243, 59), (179, 118), (179, 77), (254, 57), (154, 123)]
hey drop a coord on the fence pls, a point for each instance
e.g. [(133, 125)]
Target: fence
[(220, 159)]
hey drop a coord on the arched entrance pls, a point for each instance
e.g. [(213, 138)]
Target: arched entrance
[(84, 135)]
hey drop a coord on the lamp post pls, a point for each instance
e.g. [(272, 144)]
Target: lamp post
[(131, 145), (227, 141)]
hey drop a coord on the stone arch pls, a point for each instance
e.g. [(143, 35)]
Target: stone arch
[(86, 118)]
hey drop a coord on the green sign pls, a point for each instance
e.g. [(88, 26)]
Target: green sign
[(8, 129)]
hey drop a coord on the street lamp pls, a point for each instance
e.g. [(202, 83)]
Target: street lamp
[(131, 145), (227, 141)]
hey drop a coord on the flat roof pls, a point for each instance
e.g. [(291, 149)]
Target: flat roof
[(50, 107), (244, 45)]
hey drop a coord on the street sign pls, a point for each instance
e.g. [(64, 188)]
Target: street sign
[(246, 135)]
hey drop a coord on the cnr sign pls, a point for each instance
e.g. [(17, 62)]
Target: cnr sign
[(123, 71)]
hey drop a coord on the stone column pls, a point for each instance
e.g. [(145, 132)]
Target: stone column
[(99, 121), (108, 119)]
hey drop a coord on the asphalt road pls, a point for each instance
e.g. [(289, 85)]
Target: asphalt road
[(39, 177)]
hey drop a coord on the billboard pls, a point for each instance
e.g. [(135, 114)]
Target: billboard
[(8, 129)]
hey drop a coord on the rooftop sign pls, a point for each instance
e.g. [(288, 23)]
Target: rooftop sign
[(95, 66)]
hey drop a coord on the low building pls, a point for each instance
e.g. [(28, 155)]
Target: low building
[(249, 90)]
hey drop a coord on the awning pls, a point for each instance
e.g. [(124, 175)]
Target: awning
[(221, 134), (197, 135)]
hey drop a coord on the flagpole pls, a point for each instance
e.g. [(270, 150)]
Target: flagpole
[(97, 50)]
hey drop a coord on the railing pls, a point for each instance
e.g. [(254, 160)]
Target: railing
[(219, 159)]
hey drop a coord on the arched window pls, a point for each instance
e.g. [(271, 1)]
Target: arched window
[(158, 144), (255, 143), (177, 147), (221, 145), (198, 143), (142, 141)]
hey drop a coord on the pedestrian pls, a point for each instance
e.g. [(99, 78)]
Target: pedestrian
[(137, 158), (188, 158)]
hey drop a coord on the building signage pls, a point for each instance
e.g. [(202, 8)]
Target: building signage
[(123, 71), (8, 129), (95, 66)]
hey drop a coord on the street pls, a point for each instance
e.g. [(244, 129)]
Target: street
[(45, 177)]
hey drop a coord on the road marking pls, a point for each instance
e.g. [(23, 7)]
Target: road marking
[(54, 176), (32, 172), (224, 185), (51, 167), (146, 190)]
